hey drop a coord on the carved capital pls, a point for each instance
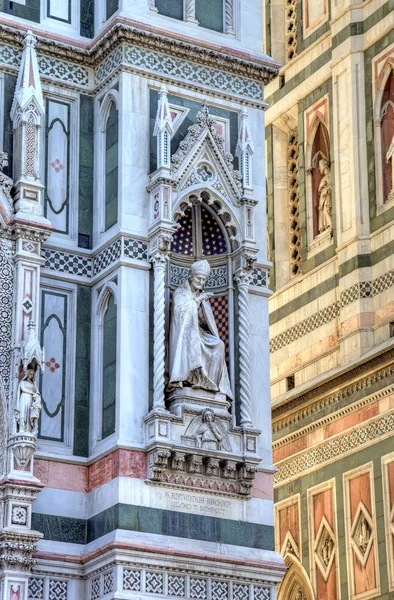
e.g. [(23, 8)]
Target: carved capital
[(243, 278), (159, 260)]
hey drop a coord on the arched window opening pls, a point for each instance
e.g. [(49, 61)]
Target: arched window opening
[(199, 234), (111, 167), (109, 324), (387, 137), (320, 153)]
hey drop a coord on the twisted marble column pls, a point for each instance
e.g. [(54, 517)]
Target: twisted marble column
[(190, 10), (243, 279), (159, 261), (229, 16)]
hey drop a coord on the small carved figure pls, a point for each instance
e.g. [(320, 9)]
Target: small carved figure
[(363, 535), (300, 595), (6, 182), (327, 550), (325, 193), (208, 432), (197, 354), (28, 404)]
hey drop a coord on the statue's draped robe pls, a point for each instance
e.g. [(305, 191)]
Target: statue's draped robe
[(26, 389), (195, 344)]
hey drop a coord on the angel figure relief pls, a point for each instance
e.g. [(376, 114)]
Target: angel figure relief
[(208, 432)]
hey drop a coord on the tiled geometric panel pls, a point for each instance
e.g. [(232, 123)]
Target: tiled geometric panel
[(219, 590), (259, 277), (261, 593), (198, 588), (63, 71), (182, 240), (66, 263), (154, 583), (36, 588), (108, 65), (9, 55), (306, 326), (57, 590), (176, 586), (6, 287), (135, 249), (132, 580), (217, 277), (108, 582), (213, 241), (185, 70), (240, 591), (107, 256), (335, 448), (384, 282), (96, 589), (219, 305)]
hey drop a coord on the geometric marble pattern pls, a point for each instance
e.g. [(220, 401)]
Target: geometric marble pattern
[(183, 585), (259, 277), (219, 305), (179, 69), (176, 585), (36, 588), (154, 583), (240, 591), (334, 448), (198, 588), (219, 590), (131, 580), (261, 593), (66, 263), (108, 582), (135, 249), (217, 277), (107, 256), (108, 65), (6, 287), (320, 318), (213, 241), (57, 590), (96, 589)]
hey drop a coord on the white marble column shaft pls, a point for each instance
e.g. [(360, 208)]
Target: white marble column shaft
[(159, 261), (243, 279)]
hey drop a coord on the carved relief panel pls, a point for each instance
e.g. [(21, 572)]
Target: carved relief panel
[(361, 534), (323, 544), (388, 499)]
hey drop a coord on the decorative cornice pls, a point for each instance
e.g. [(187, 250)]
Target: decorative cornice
[(311, 401), (125, 30)]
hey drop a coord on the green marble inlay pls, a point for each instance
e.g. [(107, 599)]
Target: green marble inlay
[(111, 167), (82, 372), (109, 368), (86, 151), (87, 18), (60, 529), (30, 11), (170, 8), (111, 7), (209, 14)]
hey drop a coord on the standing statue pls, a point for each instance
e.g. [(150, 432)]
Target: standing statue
[(325, 193), (197, 354), (28, 404), (6, 182)]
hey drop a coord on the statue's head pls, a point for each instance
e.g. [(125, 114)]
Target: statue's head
[(208, 415), (3, 159), (30, 374), (324, 166), (199, 273)]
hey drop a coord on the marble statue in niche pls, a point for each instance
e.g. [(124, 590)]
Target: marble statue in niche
[(6, 182), (363, 534), (325, 197), (28, 404), (327, 550), (196, 352), (208, 432)]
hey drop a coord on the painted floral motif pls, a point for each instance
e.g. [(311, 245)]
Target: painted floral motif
[(52, 365), (57, 165)]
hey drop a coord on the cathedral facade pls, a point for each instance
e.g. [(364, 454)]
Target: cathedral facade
[(135, 432), (330, 140)]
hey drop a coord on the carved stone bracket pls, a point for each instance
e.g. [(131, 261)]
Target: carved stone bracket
[(211, 472)]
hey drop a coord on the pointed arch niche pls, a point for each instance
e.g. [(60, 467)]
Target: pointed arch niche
[(296, 584), (107, 190), (384, 137), (207, 231), (317, 149)]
